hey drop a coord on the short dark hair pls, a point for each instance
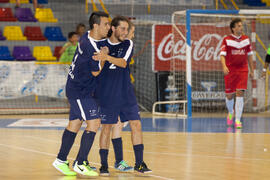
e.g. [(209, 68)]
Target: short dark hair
[(233, 22), (95, 18), (70, 34), (116, 22)]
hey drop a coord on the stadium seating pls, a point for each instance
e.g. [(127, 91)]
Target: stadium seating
[(56, 51), (22, 53), (5, 54), (41, 1), (21, 1), (6, 15), (43, 53), (4, 1), (33, 33), (1, 36), (54, 34), (25, 14), (13, 33), (45, 15)]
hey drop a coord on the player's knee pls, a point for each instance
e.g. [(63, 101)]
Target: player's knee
[(93, 125), (135, 125), (240, 93), (74, 125)]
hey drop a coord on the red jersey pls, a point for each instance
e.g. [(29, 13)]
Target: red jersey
[(236, 51)]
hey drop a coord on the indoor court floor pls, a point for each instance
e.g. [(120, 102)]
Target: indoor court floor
[(174, 148)]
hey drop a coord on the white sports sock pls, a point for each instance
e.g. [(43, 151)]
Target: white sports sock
[(229, 104), (239, 105)]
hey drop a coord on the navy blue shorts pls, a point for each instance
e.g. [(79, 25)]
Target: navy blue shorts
[(83, 109), (126, 113)]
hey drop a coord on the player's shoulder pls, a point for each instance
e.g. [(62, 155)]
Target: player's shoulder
[(243, 37), (228, 37), (127, 42)]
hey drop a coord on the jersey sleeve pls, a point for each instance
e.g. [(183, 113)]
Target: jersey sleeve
[(95, 65), (128, 50), (223, 49)]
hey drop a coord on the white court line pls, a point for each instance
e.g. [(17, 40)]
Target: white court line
[(169, 154), (50, 154)]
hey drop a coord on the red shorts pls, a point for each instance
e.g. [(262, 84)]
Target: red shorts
[(235, 81)]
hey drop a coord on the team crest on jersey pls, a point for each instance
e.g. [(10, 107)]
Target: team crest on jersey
[(119, 52)]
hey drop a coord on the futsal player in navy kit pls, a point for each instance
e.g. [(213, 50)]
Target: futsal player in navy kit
[(80, 87), (115, 93)]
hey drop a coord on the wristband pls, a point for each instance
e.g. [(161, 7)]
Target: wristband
[(264, 70)]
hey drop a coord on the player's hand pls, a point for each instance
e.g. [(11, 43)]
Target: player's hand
[(225, 70), (263, 74), (101, 56), (105, 49), (251, 73)]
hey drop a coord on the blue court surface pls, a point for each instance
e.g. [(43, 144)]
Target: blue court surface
[(205, 125)]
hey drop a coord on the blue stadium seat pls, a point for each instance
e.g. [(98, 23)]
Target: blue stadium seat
[(5, 54), (54, 33)]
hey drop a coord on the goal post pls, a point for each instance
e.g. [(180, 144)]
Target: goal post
[(199, 67)]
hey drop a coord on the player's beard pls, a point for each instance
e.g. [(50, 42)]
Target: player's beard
[(117, 35)]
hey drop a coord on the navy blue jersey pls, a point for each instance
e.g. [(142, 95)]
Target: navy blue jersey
[(114, 87), (81, 83)]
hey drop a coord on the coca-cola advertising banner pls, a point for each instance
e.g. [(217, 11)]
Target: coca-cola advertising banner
[(168, 45)]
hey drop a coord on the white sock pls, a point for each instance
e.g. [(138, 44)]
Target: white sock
[(229, 104), (239, 105)]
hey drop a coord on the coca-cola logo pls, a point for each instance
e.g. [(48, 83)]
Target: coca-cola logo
[(206, 48)]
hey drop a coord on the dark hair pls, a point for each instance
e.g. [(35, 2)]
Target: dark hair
[(116, 22), (79, 25), (70, 34), (95, 18), (233, 22)]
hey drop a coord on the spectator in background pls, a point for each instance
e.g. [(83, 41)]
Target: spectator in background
[(80, 29), (68, 50), (35, 4), (267, 62)]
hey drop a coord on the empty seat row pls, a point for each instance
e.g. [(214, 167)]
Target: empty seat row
[(32, 33), (40, 53), (26, 15)]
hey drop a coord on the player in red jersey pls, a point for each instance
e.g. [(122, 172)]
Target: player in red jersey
[(236, 54)]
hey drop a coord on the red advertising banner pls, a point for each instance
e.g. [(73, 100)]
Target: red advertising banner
[(169, 47)]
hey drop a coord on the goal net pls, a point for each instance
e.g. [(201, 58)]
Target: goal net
[(195, 67)]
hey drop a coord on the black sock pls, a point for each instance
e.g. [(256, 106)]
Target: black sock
[(138, 151), (85, 146), (118, 149), (104, 157), (68, 138)]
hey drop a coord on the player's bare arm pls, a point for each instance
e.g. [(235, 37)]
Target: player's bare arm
[(96, 73), (224, 67), (120, 62), (250, 62)]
